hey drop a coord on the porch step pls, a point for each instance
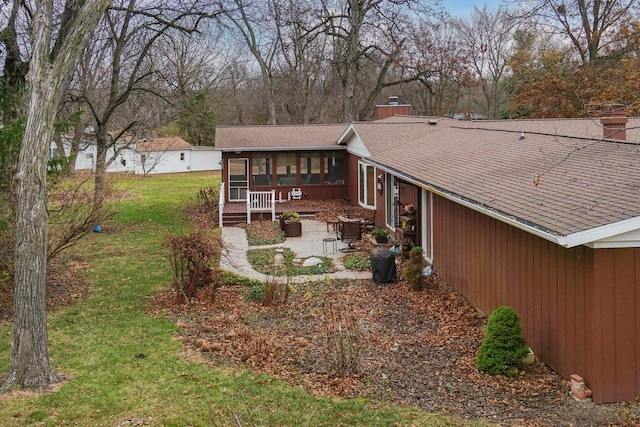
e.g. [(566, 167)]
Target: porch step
[(233, 218)]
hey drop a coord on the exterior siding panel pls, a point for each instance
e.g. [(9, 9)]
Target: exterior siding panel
[(616, 333), (578, 306)]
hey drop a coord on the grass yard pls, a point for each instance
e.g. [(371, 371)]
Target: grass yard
[(127, 367)]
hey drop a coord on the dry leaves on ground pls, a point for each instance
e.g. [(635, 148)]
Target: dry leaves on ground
[(415, 348)]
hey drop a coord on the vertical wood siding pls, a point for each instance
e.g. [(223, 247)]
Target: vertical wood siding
[(579, 307), (352, 177), (616, 330)]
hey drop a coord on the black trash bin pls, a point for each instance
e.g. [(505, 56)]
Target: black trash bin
[(383, 266)]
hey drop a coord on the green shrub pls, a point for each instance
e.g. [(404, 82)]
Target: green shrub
[(291, 216), (229, 278), (357, 262), (504, 345), (256, 293), (412, 273), (380, 234)]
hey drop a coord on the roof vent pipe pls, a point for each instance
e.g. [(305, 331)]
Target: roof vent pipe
[(614, 122)]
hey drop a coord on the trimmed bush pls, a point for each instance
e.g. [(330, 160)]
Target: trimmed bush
[(504, 345), (412, 273)]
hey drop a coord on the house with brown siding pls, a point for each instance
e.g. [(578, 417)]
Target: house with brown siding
[(539, 215)]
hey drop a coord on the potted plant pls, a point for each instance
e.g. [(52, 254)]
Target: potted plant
[(290, 224), (380, 234)]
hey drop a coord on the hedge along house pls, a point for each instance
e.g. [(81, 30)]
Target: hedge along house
[(540, 215)]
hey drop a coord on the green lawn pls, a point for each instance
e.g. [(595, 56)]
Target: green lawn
[(127, 366)]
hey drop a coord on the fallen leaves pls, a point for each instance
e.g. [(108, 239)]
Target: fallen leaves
[(419, 349)]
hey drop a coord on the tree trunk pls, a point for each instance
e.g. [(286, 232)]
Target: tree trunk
[(100, 175), (29, 364), (78, 132)]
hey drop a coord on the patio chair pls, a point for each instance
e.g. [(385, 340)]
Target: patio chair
[(296, 193), (349, 232)]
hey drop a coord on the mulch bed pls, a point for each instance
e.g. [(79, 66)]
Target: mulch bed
[(416, 348)]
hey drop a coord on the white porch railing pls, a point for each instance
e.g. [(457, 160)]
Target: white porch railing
[(221, 206), (261, 201)]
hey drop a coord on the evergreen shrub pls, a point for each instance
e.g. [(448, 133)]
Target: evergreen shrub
[(504, 345)]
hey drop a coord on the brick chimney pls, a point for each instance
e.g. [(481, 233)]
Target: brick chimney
[(614, 122), (392, 108)]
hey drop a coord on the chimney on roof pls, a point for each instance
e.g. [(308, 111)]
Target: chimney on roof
[(614, 122), (392, 108)]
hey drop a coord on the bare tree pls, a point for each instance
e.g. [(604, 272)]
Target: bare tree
[(123, 88), (488, 36), (193, 67), (50, 70), (302, 71), (589, 25), (368, 36), (249, 22), (437, 52)]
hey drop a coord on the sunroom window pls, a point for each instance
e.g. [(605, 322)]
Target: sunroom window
[(310, 168), (286, 168), (261, 172), (334, 168)]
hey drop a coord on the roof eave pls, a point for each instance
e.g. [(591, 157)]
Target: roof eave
[(592, 236), (471, 205), (296, 148), (348, 132)]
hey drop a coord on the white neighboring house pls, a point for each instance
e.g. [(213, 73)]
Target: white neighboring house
[(174, 154), (159, 155), (86, 159)]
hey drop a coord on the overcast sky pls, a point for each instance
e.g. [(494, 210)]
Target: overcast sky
[(463, 8)]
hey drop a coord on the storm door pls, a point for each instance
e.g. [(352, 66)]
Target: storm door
[(238, 179)]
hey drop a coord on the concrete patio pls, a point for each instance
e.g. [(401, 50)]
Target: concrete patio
[(235, 246)]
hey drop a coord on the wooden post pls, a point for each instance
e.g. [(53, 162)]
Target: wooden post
[(273, 205), (248, 206)]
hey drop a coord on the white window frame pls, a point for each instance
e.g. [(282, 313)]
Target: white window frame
[(427, 224), (390, 197), (363, 203)]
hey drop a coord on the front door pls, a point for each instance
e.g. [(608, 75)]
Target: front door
[(238, 179)]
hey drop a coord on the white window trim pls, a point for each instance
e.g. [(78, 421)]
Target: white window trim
[(427, 224), (390, 196), (364, 204)]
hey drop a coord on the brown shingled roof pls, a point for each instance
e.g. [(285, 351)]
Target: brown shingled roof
[(278, 137), (580, 128), (584, 183), (163, 144)]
